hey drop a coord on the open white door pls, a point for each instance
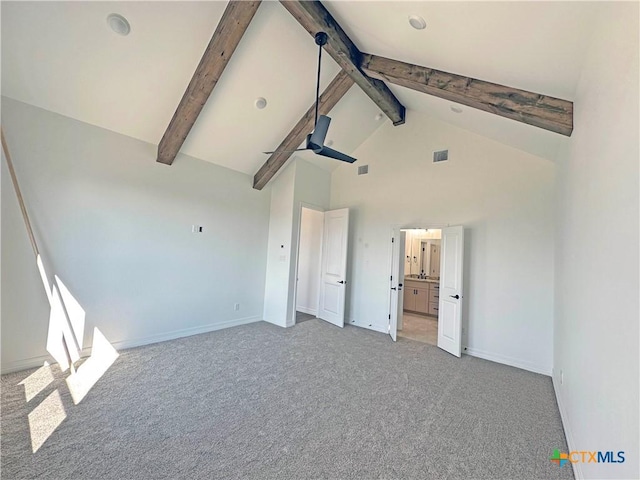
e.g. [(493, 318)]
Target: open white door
[(397, 279), (450, 307), (334, 266)]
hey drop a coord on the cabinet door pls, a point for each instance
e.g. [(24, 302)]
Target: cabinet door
[(422, 300), (409, 298), (434, 296)]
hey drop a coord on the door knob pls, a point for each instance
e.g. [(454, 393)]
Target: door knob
[(393, 288), (342, 281), (455, 296)]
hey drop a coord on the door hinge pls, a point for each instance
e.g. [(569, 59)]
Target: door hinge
[(392, 239), (391, 278), (389, 316)]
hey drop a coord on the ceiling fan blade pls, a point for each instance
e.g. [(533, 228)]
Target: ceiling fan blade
[(320, 132), (331, 153), (286, 151)]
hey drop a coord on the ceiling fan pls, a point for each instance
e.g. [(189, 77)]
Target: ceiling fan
[(315, 140)]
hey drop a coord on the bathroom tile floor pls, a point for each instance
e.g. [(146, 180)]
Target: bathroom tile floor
[(419, 327)]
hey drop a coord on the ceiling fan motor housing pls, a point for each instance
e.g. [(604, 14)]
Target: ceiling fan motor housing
[(321, 38)]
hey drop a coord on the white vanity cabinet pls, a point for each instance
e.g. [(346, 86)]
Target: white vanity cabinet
[(421, 297)]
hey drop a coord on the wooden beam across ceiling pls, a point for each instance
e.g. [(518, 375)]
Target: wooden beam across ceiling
[(314, 17), (234, 22), (329, 98), (542, 111)]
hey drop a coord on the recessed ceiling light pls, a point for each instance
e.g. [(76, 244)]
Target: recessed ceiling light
[(417, 22), (260, 103), (378, 117), (456, 109), (118, 24)]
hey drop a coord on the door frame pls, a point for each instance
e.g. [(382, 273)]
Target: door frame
[(317, 208), (395, 233)]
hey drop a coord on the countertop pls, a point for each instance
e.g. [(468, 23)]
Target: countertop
[(423, 280)]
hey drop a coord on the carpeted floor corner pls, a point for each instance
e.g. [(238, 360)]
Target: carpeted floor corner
[(312, 401)]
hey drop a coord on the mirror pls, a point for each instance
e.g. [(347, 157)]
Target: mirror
[(430, 261), (422, 253)]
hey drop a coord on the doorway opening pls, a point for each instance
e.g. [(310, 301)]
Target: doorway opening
[(426, 279), (321, 265), (418, 319), (309, 264)]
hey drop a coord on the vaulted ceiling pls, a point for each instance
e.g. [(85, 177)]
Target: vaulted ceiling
[(62, 56)]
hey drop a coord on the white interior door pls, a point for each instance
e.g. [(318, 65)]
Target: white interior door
[(450, 307), (334, 266), (397, 280)]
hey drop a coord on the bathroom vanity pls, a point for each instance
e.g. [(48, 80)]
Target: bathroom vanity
[(421, 295)]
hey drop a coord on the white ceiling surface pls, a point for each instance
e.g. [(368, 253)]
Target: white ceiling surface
[(536, 46), (61, 56)]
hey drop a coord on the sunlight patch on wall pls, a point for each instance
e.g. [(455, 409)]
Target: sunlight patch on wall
[(43, 277), (60, 341), (102, 357), (75, 312), (45, 418)]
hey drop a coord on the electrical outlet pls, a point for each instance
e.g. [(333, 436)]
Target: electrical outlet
[(236, 306), (561, 377)]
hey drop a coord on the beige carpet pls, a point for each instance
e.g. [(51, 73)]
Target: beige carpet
[(263, 402)]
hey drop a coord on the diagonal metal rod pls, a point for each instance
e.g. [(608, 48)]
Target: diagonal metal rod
[(318, 83), (14, 179)]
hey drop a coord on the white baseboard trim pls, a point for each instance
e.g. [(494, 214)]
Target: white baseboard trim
[(26, 364), (506, 360), (577, 469), (310, 311), (375, 328), (34, 362), (187, 332)]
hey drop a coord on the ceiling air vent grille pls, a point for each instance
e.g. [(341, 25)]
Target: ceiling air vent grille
[(363, 169), (441, 156)]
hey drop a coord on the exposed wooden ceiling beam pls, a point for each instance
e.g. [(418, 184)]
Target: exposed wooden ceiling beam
[(333, 93), (314, 17), (550, 113), (225, 39)]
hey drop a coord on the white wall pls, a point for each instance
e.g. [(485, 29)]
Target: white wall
[(279, 251), (115, 226), (309, 255), (299, 183), (596, 293), (501, 195)]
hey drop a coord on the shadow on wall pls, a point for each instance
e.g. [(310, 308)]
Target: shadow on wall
[(64, 343)]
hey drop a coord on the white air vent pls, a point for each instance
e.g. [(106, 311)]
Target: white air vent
[(363, 169), (441, 156)]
